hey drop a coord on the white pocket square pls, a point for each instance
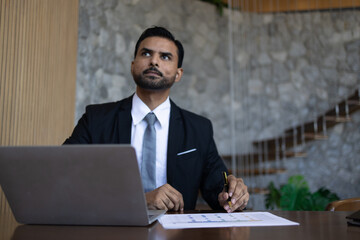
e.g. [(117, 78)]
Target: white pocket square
[(188, 151)]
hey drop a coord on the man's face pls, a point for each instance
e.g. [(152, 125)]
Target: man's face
[(155, 64)]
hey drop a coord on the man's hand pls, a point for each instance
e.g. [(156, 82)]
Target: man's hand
[(165, 197), (237, 192)]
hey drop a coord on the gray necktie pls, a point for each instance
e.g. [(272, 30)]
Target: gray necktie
[(148, 166)]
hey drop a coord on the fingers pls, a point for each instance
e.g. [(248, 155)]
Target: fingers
[(175, 198), (222, 198), (232, 184), (238, 193), (165, 197)]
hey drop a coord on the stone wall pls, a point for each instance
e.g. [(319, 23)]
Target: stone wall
[(288, 67), (294, 67)]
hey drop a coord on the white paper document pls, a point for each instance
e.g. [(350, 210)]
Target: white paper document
[(213, 220)]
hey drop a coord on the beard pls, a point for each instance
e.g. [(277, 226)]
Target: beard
[(152, 82)]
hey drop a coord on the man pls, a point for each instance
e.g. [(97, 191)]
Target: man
[(184, 155)]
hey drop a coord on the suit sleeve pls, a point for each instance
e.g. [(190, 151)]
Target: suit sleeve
[(212, 181), (81, 133)]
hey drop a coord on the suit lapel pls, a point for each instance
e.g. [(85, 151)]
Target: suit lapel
[(175, 138), (124, 121)]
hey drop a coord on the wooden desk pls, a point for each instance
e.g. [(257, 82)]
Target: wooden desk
[(313, 225)]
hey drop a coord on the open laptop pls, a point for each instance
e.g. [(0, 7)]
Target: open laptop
[(75, 185)]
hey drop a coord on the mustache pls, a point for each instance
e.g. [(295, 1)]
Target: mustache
[(153, 69)]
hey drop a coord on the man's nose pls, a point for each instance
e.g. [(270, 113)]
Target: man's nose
[(154, 61)]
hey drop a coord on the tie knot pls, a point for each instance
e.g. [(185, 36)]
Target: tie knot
[(150, 118)]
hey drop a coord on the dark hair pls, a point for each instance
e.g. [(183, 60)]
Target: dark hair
[(164, 33)]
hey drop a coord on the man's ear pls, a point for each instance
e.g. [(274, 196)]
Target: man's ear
[(179, 73), (132, 64)]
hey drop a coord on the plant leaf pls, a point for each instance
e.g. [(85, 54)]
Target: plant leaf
[(295, 195), (321, 198), (272, 199), (298, 181)]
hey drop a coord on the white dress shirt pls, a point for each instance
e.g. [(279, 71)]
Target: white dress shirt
[(162, 112)]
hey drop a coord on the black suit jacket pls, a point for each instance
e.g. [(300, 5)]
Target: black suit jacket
[(110, 123)]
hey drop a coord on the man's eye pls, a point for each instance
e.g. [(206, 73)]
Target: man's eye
[(166, 57), (146, 54)]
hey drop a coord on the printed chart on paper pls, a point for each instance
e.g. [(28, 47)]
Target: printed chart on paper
[(210, 220)]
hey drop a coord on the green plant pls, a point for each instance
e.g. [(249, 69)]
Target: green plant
[(296, 195), (220, 4)]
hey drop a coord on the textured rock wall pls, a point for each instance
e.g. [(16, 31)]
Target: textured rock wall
[(294, 67), (288, 68)]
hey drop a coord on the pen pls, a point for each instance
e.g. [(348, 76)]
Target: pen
[(226, 187)]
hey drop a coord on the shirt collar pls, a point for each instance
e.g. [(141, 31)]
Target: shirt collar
[(140, 110)]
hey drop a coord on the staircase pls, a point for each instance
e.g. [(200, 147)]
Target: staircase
[(270, 154)]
